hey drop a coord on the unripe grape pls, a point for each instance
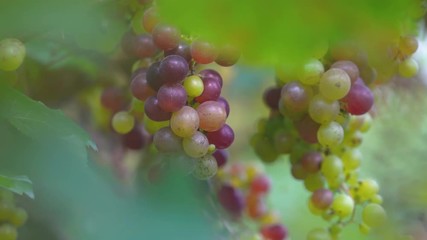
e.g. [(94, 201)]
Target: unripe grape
[(322, 110), (343, 205), (193, 86), (408, 45), (334, 84), (330, 134), (196, 146), (166, 141), (313, 182), (203, 52), (311, 72), (295, 97), (367, 189), (123, 122), (153, 126), (298, 172), (351, 159), (376, 199), (313, 209), (349, 67), (12, 54), (373, 215), (408, 68), (19, 217), (332, 167), (206, 167), (364, 229), (8, 232), (228, 56), (185, 122), (322, 198)]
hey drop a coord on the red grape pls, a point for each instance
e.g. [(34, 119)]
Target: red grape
[(166, 37), (203, 52), (274, 232), (222, 138), (232, 199), (359, 100), (312, 161)]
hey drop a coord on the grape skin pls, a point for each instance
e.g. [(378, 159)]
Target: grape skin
[(185, 122), (334, 84), (196, 146), (12, 54), (206, 167)]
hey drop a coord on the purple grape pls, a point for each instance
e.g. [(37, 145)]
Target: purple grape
[(166, 37), (144, 46), (224, 104), (222, 138), (312, 161), (232, 199), (139, 85), (113, 99), (295, 97), (307, 129), (221, 157), (182, 50), (211, 91), (322, 198), (272, 97), (173, 69), (274, 232), (153, 110), (153, 77), (135, 139), (166, 141), (210, 73), (359, 99), (172, 97)]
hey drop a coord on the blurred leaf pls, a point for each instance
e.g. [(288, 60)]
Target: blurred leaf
[(19, 185)]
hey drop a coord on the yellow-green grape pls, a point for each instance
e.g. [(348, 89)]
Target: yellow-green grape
[(285, 74), (336, 229), (19, 217), (331, 167), (6, 211), (322, 110), (408, 68), (154, 126), (206, 167), (196, 146), (376, 199), (311, 72), (185, 122), (367, 123), (8, 232), (364, 229), (313, 209), (374, 215), (367, 188), (353, 139), (123, 122), (334, 84), (351, 158), (330, 134), (335, 183), (320, 49), (253, 141), (408, 45), (193, 85), (328, 215), (211, 148), (343, 205), (12, 54), (352, 178), (313, 182), (318, 234), (343, 118)]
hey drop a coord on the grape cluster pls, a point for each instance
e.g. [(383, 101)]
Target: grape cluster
[(12, 54), (11, 217), (242, 191), (180, 106)]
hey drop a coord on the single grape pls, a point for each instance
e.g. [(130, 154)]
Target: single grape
[(364, 229), (367, 188), (8, 232), (166, 141), (203, 52), (228, 56), (153, 110), (274, 232), (166, 37), (221, 138), (150, 19), (260, 185), (298, 172), (135, 139), (232, 199), (153, 77), (185, 122), (171, 97), (221, 157), (193, 85), (408, 45), (19, 217), (318, 234), (311, 72), (206, 167), (144, 46), (140, 87), (212, 116), (283, 141), (113, 99), (307, 129), (295, 97), (349, 67), (330, 134), (334, 84), (313, 182), (376, 199), (322, 198), (374, 215), (225, 104), (359, 100), (123, 122), (210, 73), (196, 146), (332, 167), (322, 110), (12, 54), (211, 90), (173, 69), (351, 159), (312, 161), (182, 50), (265, 151), (272, 97), (408, 68), (343, 205)]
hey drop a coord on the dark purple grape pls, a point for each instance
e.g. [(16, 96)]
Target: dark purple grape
[(153, 77), (322, 198), (224, 104), (166, 141), (222, 138), (153, 110), (307, 129), (312, 161), (182, 50), (135, 139), (272, 97), (139, 85), (210, 73), (232, 199), (228, 56), (211, 91), (221, 157), (173, 69), (166, 37), (144, 46), (113, 99), (172, 97), (359, 99)]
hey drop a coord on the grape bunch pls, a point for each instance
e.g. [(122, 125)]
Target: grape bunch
[(242, 191), (12, 54), (11, 217), (177, 104)]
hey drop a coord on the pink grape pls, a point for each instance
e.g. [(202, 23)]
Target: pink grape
[(260, 185), (359, 100), (312, 161), (274, 232), (210, 73), (322, 198), (182, 50), (211, 91), (212, 116), (307, 129), (166, 37), (272, 97), (166, 141), (224, 104)]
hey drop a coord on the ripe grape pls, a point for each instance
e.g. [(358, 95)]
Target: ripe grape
[(313, 182), (343, 205), (153, 110), (212, 116), (134, 139), (260, 185), (373, 215), (185, 122), (8, 232), (408, 68), (322, 110), (210, 73), (166, 141), (196, 146), (211, 90), (331, 134), (318, 234), (274, 232), (182, 50), (311, 72), (298, 172), (272, 97), (311, 162), (221, 138), (12, 54), (206, 167), (113, 99), (193, 85), (123, 122), (228, 56), (322, 198), (307, 129), (221, 157), (224, 104), (359, 100), (171, 97), (143, 46), (332, 167), (295, 97), (150, 19), (166, 37), (153, 77), (232, 199), (334, 84), (173, 69), (203, 52), (349, 67), (140, 87)]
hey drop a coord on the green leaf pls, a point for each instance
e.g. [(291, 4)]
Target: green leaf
[(19, 185)]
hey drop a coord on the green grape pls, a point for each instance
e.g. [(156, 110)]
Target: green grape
[(351, 159), (353, 139), (332, 167), (336, 229), (367, 189), (364, 229), (334, 84), (257, 137), (313, 209), (376, 199), (313, 182), (265, 150), (335, 183), (154, 126), (12, 54), (193, 85), (19, 217), (196, 146), (322, 110), (408, 68), (319, 234), (6, 210), (343, 205), (352, 178), (137, 105), (311, 72), (328, 215), (330, 134), (374, 215), (8, 232), (408, 45), (206, 167), (136, 22), (123, 122)]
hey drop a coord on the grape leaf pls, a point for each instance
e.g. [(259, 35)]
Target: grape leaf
[(19, 185)]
